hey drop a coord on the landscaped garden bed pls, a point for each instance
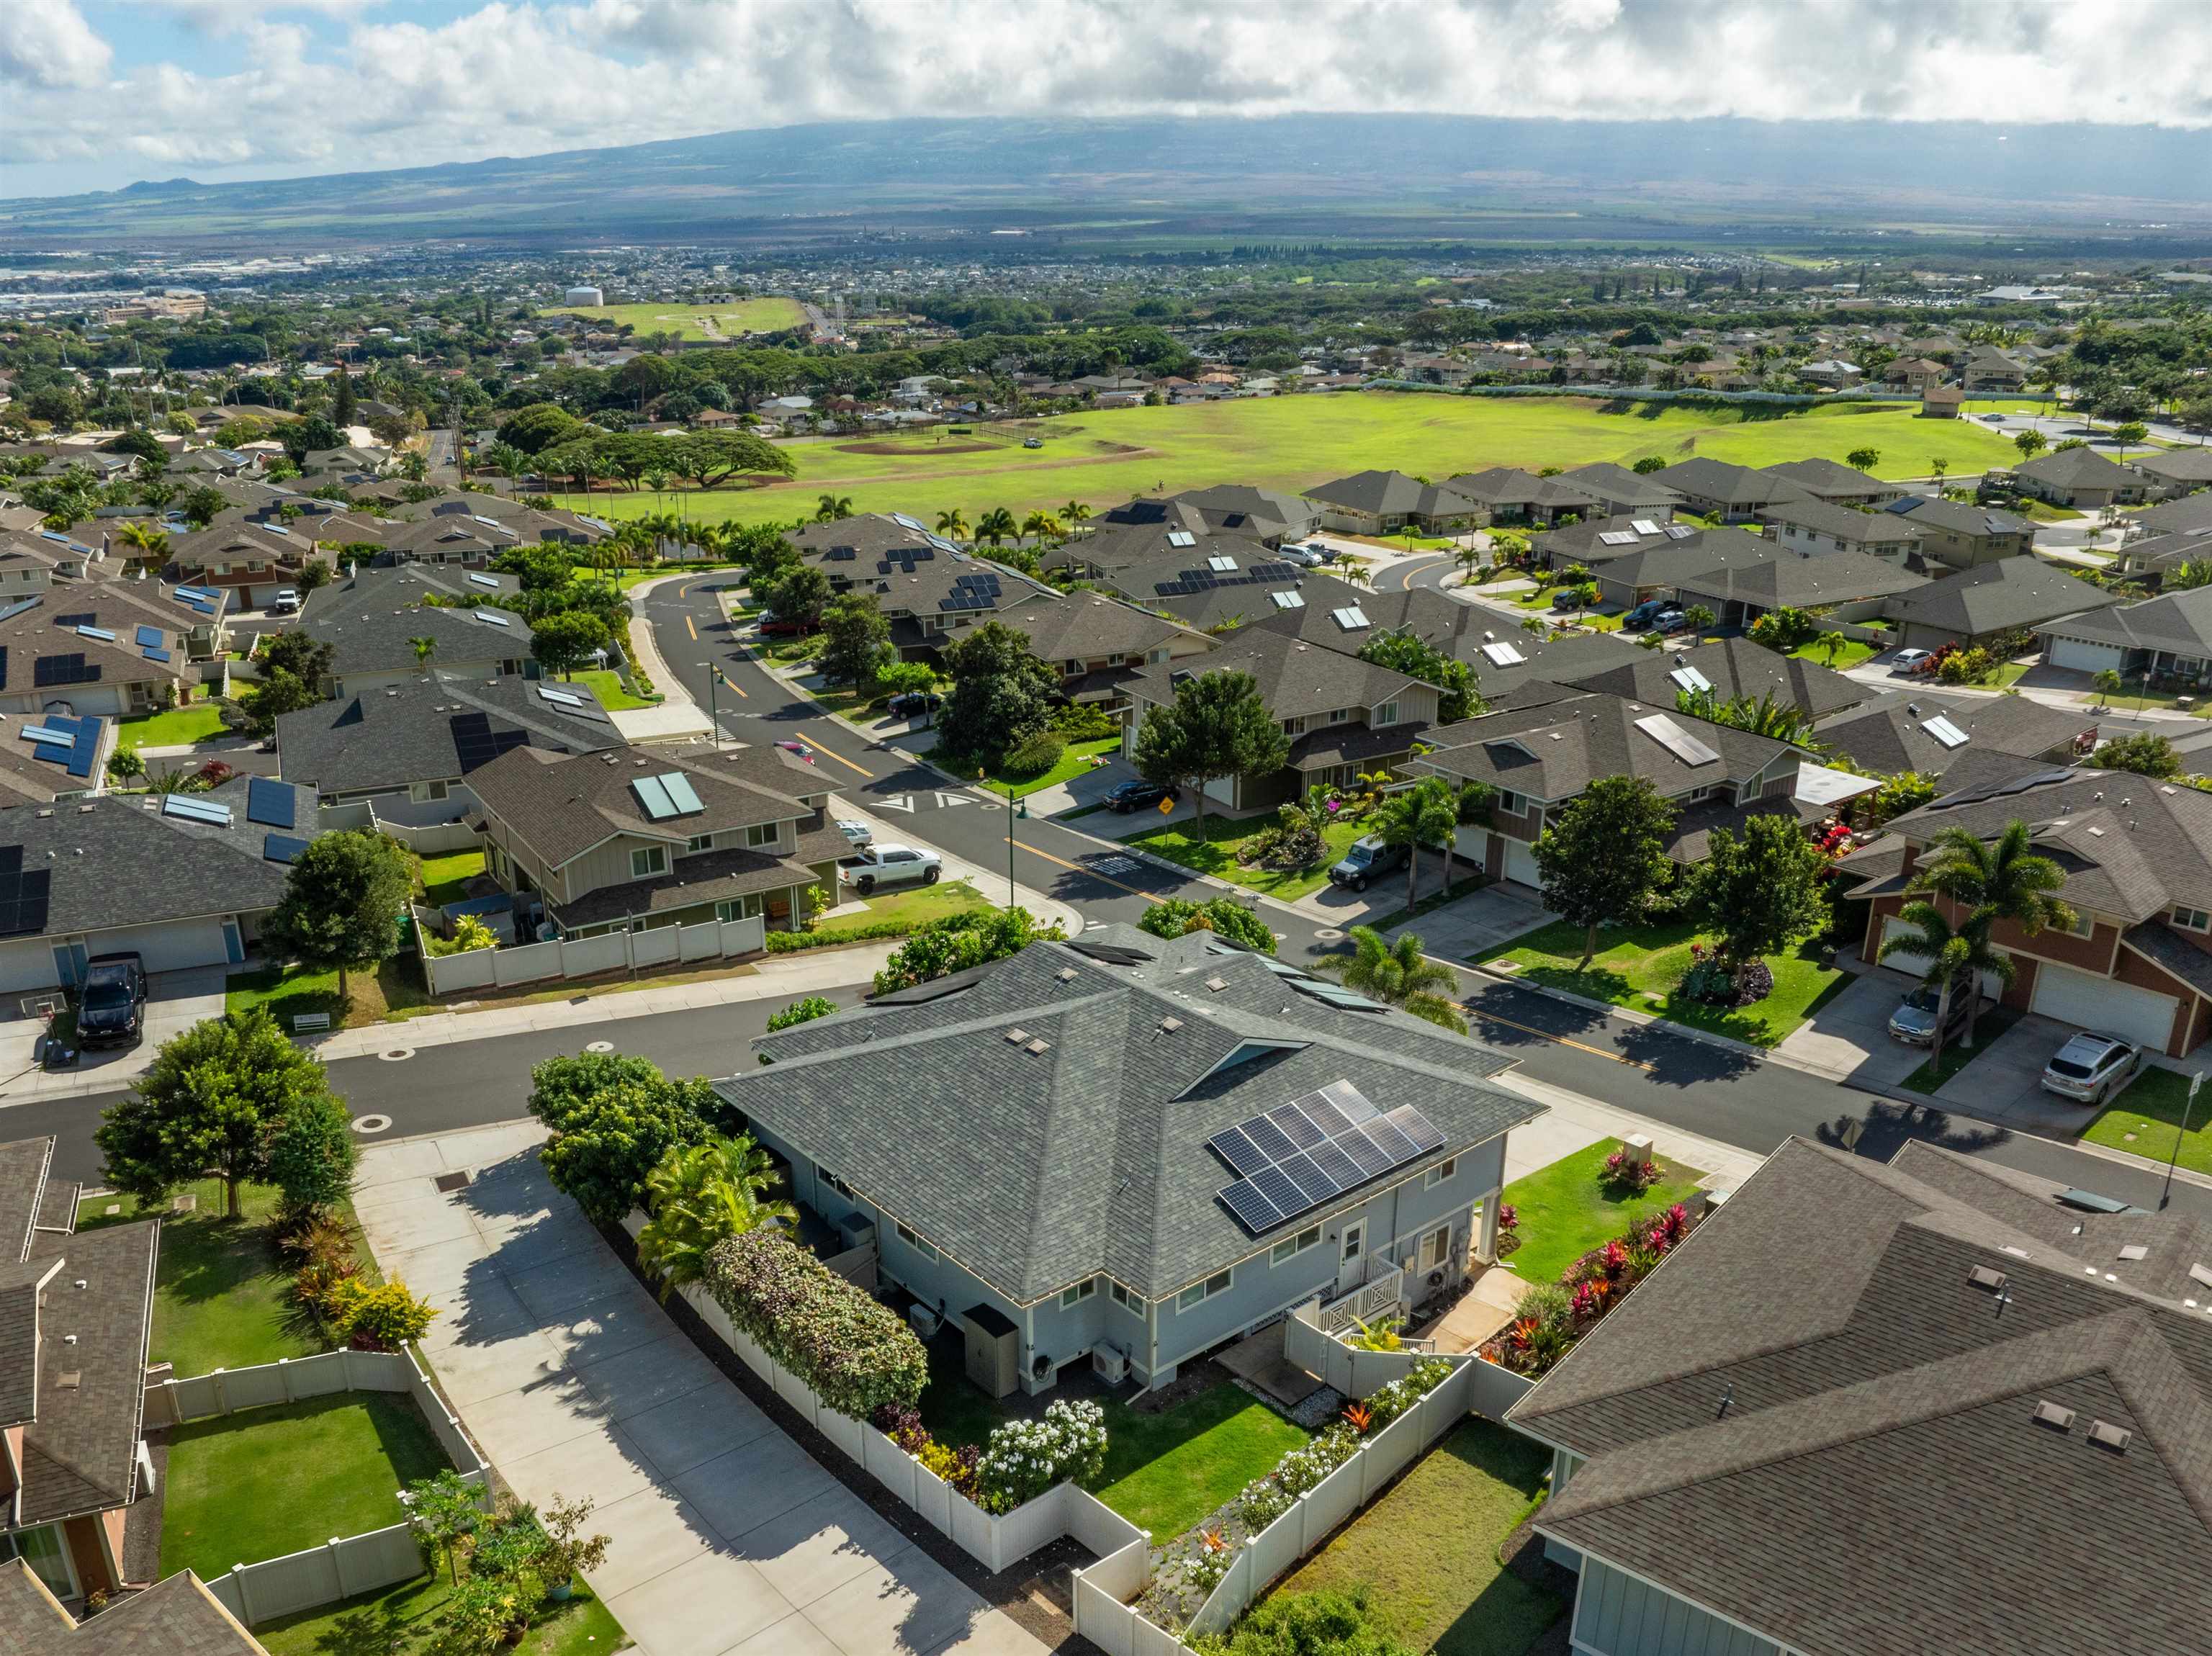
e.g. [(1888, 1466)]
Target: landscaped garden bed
[(1563, 1211), (1230, 840), (401, 1618), (1551, 1317)]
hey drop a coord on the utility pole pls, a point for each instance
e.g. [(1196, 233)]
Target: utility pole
[(714, 714), (2187, 1105)]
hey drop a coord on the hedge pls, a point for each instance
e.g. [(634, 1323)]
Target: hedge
[(793, 943), (855, 1354)]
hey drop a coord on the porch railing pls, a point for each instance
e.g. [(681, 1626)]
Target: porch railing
[(1383, 1293)]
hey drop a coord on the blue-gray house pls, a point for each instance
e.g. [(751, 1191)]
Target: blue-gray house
[(1128, 1151)]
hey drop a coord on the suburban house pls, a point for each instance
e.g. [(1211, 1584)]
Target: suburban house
[(555, 524), (1941, 403), (1810, 528), (1509, 494), (1733, 494), (409, 748), (1096, 643), (371, 620), (2160, 557), (926, 587), (1657, 566), (2137, 857), (1236, 583), (1916, 374), (247, 562), (1991, 603), (2185, 516), (624, 839), (1120, 546), (73, 1344), (1728, 669), (1836, 485), (1915, 731), (1518, 670), (1595, 540), (1259, 514), (2081, 479), (1866, 1408), (1337, 616), (181, 879), (1386, 502), (2176, 471), (1988, 370), (82, 651), (1343, 716), (1538, 759), (1088, 1153), (1622, 493), (1842, 585), (176, 1617), (2165, 640), (1960, 536)]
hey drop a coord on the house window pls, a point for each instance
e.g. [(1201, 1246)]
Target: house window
[(1076, 1295), (1442, 1170), (423, 792), (1291, 1246), (1435, 1248), (2084, 923), (1128, 1302), (762, 834), (648, 860), (1385, 714), (906, 1235), (1508, 801), (740, 908), (1199, 1293), (1338, 715), (2192, 919), (832, 1180), (699, 842), (42, 1549)]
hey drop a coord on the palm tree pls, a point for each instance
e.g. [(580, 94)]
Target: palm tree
[(830, 508), (952, 525), (1043, 526), (1469, 559), (1400, 974), (995, 525), (424, 647), (1425, 814), (1075, 513), (2007, 877), (1957, 957), (2108, 683), (699, 1196), (1355, 570), (147, 541), (1936, 467)]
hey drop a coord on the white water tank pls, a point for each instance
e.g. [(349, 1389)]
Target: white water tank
[(585, 296)]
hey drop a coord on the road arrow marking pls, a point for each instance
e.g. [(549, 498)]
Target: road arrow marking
[(904, 802)]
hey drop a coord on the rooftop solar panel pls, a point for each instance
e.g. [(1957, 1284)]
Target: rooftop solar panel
[(1288, 600), (1643, 527), (559, 697), (1307, 1152), (148, 637), (100, 632), (1676, 740), (152, 654), (10, 611), (1238, 1151), (1690, 679), (85, 618), (196, 810), (1297, 1126), (84, 752), (1251, 1209), (492, 618), (682, 794), (1503, 655), (1945, 731), (484, 580), (269, 803), (652, 795), (282, 848)]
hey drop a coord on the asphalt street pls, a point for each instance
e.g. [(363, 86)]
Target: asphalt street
[(1708, 1090)]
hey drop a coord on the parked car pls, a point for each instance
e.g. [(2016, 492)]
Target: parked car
[(1909, 661), (1138, 796), (857, 833), (286, 603), (1994, 418), (1367, 859), (776, 626), (1032, 442), (914, 704), (1914, 1021), (798, 749), (891, 865), (1643, 615), (1306, 557), (1670, 622), (2091, 1067), (111, 1005), (1568, 597)]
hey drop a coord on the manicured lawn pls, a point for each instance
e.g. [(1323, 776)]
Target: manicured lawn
[(1164, 1471), (222, 1291), (394, 987), (2043, 511), (1217, 854), (690, 321), (911, 908), (266, 1481), (1565, 1211), (607, 685), (2150, 1110), (1987, 1028), (176, 728), (444, 877), (1074, 762), (1107, 456), (1638, 966), (398, 1618), (1428, 1550), (1849, 653)]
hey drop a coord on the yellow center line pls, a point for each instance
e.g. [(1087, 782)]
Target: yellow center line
[(1558, 1041), (1093, 872), (690, 629), (841, 760)]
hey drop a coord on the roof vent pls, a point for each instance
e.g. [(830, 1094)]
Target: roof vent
[(1170, 1025), (1986, 1277), (70, 1378), (2200, 1273), (1037, 1046), (2105, 1435), (2056, 1416), (1217, 984), (1015, 1037), (2133, 1251), (1067, 975)]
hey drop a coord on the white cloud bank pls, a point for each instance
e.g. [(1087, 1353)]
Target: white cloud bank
[(521, 79)]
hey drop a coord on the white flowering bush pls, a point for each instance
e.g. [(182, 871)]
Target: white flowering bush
[(1393, 1400), (1025, 1457)]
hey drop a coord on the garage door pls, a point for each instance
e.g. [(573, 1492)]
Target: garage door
[(2101, 1003), (1521, 863), (28, 966), (169, 948), (1906, 961), (2084, 656)]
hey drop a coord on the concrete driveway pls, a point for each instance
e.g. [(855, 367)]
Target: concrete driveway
[(2004, 1082), (175, 1002), (1849, 1038)]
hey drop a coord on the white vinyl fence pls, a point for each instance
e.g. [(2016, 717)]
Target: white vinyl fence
[(584, 957), (345, 1565)]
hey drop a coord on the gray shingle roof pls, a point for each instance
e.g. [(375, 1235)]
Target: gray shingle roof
[(1738, 485), (1805, 583), (1294, 679), (1037, 1170), (1668, 563), (1735, 667), (1554, 751), (1891, 736), (1843, 523), (2178, 622), (1393, 494), (2189, 512), (1876, 1484), (383, 739), (1997, 598), (1619, 486), (176, 1618), (1957, 517), (2078, 467), (369, 620)]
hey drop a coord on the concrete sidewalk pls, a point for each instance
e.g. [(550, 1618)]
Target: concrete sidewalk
[(728, 1538)]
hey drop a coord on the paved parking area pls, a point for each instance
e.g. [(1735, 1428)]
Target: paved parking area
[(1849, 1038), (2004, 1083), (175, 1002), (728, 1538)]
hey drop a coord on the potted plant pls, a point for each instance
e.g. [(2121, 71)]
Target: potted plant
[(569, 1551)]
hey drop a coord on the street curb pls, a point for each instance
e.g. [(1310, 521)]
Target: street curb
[(1646, 1020)]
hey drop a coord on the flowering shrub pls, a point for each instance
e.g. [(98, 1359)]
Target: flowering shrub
[(1391, 1401), (853, 1354), (1624, 1172), (961, 1467), (1552, 1316), (1509, 1228), (1025, 1457), (1187, 1572)]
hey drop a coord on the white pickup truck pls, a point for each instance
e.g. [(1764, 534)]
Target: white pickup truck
[(889, 865)]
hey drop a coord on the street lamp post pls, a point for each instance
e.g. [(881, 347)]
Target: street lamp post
[(2187, 1105), (1015, 808), (714, 713)]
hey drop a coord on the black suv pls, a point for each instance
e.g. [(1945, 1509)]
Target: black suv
[(912, 704), (111, 1005), (1367, 859), (1139, 796)]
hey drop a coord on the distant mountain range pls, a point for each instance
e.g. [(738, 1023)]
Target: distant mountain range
[(1211, 182)]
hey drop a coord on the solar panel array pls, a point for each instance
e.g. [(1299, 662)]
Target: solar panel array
[(148, 637), (49, 671), (23, 893), (1503, 655), (188, 809), (1945, 731), (492, 581), (1676, 740), (271, 803), (1643, 525), (100, 632), (572, 705), (1312, 1150), (86, 619), (1188, 581), (282, 848), (903, 559), (1690, 679), (1289, 598), (1352, 617), (669, 794), (1619, 537), (475, 741), (972, 592), (492, 618), (72, 743), (11, 611)]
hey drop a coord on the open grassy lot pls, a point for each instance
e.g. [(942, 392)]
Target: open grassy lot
[(1072, 763), (2146, 1119), (176, 727), (1428, 1550), (1565, 1211), (222, 1288), (393, 988), (399, 1618), (695, 321), (266, 1481), (1217, 854), (1849, 653), (1638, 966), (1294, 442), (912, 907), (607, 685)]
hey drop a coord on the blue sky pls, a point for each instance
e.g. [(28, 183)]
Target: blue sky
[(98, 93)]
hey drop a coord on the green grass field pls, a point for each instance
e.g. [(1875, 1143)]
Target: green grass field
[(398, 1618), (1852, 653), (2146, 1119), (176, 727), (1216, 854), (1295, 442), (1565, 1211), (607, 685), (691, 321)]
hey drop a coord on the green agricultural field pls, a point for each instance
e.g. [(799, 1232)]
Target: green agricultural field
[(1294, 442), (743, 316)]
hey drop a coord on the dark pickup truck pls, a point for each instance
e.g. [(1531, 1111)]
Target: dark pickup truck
[(112, 1005)]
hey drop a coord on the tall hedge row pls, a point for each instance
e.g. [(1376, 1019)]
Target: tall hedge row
[(855, 1354)]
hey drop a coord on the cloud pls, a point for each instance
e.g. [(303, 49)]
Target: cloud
[(367, 89), (47, 43)]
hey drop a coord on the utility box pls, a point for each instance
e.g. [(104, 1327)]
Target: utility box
[(994, 1357)]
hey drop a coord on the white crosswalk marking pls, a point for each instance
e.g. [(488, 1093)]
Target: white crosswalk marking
[(904, 802)]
